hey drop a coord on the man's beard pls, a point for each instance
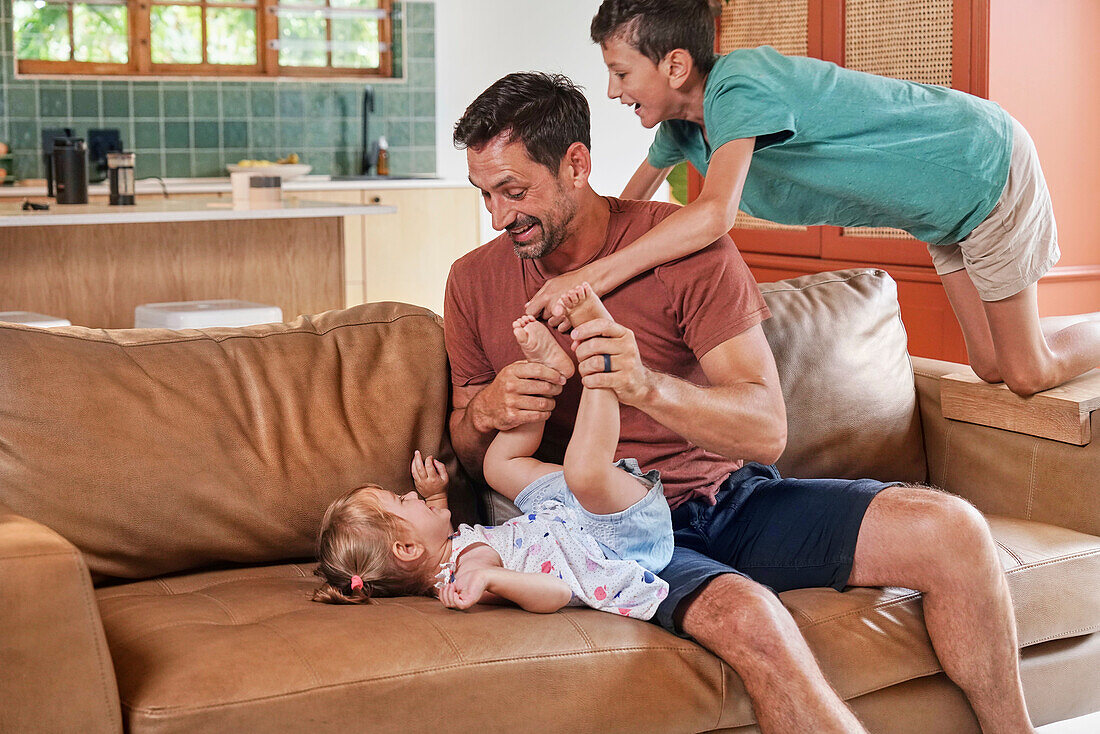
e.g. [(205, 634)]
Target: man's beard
[(554, 232)]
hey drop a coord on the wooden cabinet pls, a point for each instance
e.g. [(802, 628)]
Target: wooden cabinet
[(406, 256)]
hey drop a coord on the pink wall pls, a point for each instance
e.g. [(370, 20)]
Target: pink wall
[(1044, 64)]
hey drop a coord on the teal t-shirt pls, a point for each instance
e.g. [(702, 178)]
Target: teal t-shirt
[(841, 147)]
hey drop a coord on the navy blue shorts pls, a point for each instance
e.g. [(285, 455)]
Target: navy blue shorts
[(782, 533)]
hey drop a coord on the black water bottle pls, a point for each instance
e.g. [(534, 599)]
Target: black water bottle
[(70, 170)]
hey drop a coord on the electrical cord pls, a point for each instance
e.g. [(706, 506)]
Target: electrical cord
[(158, 179)]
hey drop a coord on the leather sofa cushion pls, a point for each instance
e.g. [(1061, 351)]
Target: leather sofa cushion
[(243, 650), (156, 451), (843, 363)]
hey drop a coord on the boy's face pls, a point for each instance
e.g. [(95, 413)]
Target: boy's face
[(635, 80)]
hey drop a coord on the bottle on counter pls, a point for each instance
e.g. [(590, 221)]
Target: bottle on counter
[(120, 176), (383, 156)]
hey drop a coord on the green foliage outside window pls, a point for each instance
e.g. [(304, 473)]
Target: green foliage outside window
[(41, 33), (100, 33)]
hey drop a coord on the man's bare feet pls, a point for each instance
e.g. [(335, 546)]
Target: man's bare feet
[(538, 345), (581, 304)]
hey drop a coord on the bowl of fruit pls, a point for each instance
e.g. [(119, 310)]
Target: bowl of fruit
[(285, 168)]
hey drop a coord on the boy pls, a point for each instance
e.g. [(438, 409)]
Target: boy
[(802, 141)]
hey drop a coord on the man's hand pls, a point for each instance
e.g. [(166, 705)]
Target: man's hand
[(523, 392), (430, 479), (629, 378), (541, 306)]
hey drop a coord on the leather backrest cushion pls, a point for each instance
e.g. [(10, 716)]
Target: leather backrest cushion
[(843, 363), (156, 451)]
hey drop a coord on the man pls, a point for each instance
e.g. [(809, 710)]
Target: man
[(701, 402)]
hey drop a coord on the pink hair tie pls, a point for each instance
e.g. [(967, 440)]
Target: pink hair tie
[(356, 582)]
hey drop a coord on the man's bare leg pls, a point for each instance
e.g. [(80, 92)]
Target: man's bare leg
[(600, 487), (747, 626), (949, 556)]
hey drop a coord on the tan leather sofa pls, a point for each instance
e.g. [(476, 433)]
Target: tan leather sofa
[(160, 491)]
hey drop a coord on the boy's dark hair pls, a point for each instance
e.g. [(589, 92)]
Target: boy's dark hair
[(546, 112), (655, 27)]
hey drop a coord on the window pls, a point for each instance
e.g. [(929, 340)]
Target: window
[(300, 38)]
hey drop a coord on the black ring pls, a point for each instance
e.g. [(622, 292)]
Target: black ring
[(606, 362)]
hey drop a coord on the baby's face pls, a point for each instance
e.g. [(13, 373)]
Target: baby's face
[(432, 524)]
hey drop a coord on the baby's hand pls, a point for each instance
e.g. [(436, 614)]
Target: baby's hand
[(465, 591), (430, 478)]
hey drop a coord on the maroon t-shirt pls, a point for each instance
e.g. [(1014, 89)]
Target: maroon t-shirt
[(678, 312)]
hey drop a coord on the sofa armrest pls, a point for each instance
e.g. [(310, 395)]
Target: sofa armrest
[(54, 663), (1008, 473)]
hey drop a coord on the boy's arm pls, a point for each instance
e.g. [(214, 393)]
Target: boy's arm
[(645, 182), (481, 578), (683, 232)]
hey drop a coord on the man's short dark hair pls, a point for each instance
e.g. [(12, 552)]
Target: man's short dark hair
[(546, 112), (655, 27)]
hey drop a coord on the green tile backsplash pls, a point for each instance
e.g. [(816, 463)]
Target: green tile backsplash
[(194, 128)]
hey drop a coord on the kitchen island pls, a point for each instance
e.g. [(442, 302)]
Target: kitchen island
[(94, 263)]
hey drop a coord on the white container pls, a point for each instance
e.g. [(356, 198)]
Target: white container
[(30, 318), (238, 182), (204, 314)]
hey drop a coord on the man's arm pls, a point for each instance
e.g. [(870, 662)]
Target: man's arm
[(523, 392), (740, 415)]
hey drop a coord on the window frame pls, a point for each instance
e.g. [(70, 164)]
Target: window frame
[(267, 29)]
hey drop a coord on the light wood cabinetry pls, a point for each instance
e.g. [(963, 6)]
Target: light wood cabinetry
[(353, 242), (406, 256)]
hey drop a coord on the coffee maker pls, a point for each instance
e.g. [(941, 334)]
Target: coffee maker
[(48, 136), (66, 159)]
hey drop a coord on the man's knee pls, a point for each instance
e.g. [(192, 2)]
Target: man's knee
[(954, 533), (739, 619)]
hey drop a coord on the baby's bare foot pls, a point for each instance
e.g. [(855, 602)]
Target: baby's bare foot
[(581, 304), (538, 345)]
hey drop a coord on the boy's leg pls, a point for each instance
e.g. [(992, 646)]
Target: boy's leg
[(598, 485), (1030, 361), (509, 465), (1006, 340), (970, 313)]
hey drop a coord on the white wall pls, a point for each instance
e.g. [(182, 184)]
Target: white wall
[(479, 41)]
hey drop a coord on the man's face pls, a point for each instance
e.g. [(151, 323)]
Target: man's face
[(635, 80), (534, 206)]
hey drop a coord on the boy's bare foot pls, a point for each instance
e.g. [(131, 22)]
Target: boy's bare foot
[(581, 304), (538, 345)]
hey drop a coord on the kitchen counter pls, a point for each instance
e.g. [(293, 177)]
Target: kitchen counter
[(221, 186), (93, 264), (182, 210)]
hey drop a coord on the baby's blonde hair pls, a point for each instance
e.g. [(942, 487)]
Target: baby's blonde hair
[(356, 539)]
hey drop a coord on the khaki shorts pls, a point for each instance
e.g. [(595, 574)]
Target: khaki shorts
[(1018, 242)]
